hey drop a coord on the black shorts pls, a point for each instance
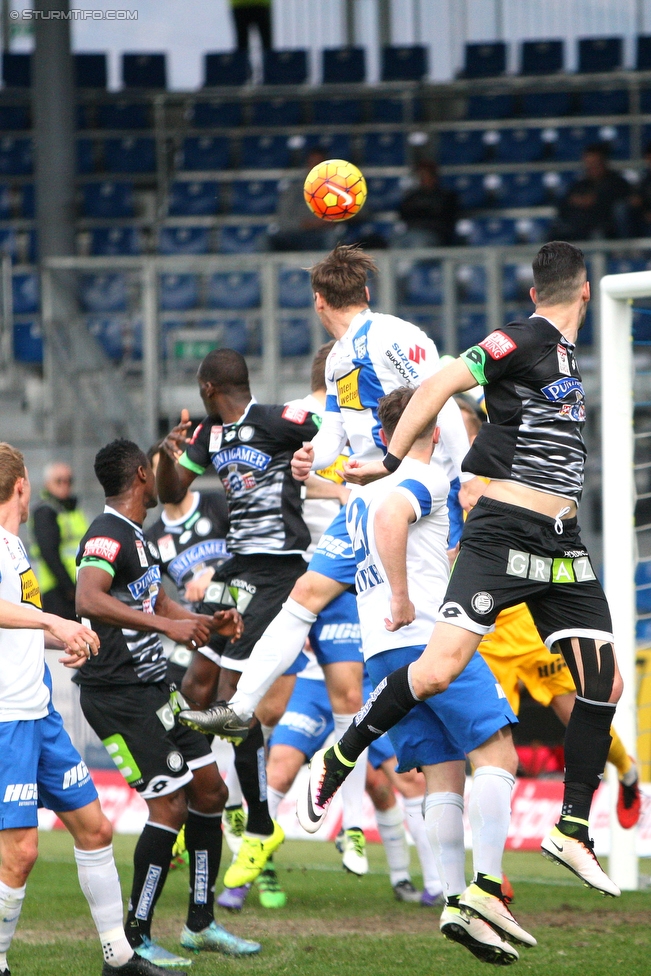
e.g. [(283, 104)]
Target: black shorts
[(258, 586), (511, 555), (138, 727)]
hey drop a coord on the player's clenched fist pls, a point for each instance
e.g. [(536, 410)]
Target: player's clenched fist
[(403, 612), (193, 633), (302, 462), (174, 443), (80, 641), (227, 623)]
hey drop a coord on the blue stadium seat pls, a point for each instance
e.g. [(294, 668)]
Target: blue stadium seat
[(108, 199), (8, 243), (254, 196), (335, 146), (471, 283), (85, 156), (461, 146), (403, 63), (16, 156), (227, 68), (14, 117), (643, 632), (384, 192), (641, 326), (490, 107), (531, 230), (26, 294), (5, 202), (337, 111), (645, 101), (388, 110), (279, 111), (598, 54), (90, 70), (520, 146), (423, 284), (193, 199), (144, 71), (569, 144), (103, 292), (130, 155), (616, 265), (27, 201), (184, 240), (217, 114), (32, 248), (495, 190), (612, 101), (468, 187), (242, 239), (115, 241), (516, 282), (178, 292), (294, 289), (284, 67), (472, 328), (295, 337), (385, 149), (16, 70), (617, 137), (546, 105), (205, 152), (542, 57), (233, 289), (643, 584), (123, 115), (646, 136), (115, 336), (485, 60), (494, 230), (643, 53), (265, 152), (28, 342), (234, 333), (344, 65), (524, 189)]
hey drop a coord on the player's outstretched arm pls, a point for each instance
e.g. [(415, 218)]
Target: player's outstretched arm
[(78, 639), (227, 623), (423, 407), (172, 479), (391, 526), (93, 600)]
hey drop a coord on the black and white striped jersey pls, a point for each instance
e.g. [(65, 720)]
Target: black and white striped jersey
[(536, 409), (252, 458), (118, 546)]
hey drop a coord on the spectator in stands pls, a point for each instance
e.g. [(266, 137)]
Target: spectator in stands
[(252, 13), (596, 207), (57, 528), (641, 201), (297, 228), (430, 211)]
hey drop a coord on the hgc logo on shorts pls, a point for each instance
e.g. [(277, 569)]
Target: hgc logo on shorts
[(21, 793)]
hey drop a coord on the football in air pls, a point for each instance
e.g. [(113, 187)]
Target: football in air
[(335, 190)]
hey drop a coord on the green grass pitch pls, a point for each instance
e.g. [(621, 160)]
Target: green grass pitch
[(338, 925)]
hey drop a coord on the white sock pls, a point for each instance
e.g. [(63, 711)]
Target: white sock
[(98, 878), (279, 646), (274, 798), (232, 781), (11, 903), (392, 831), (489, 811), (416, 825), (352, 791), (267, 732), (444, 826)]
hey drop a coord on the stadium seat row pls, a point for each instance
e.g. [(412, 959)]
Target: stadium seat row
[(530, 145)]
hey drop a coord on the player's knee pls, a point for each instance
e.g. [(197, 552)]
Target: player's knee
[(309, 592), (20, 861), (103, 833)]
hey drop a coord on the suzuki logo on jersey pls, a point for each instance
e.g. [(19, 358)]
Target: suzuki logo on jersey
[(402, 364), (21, 793), (498, 345), (562, 388), (416, 354), (241, 455), (340, 632), (139, 587), (348, 391), (78, 775)]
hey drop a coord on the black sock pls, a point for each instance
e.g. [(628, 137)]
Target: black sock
[(391, 701), (587, 741), (151, 862), (203, 839), (250, 764), (452, 901), (489, 885)]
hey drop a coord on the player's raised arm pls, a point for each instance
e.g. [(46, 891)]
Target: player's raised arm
[(423, 407), (173, 478), (391, 527)]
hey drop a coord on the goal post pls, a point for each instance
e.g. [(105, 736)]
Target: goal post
[(619, 541)]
